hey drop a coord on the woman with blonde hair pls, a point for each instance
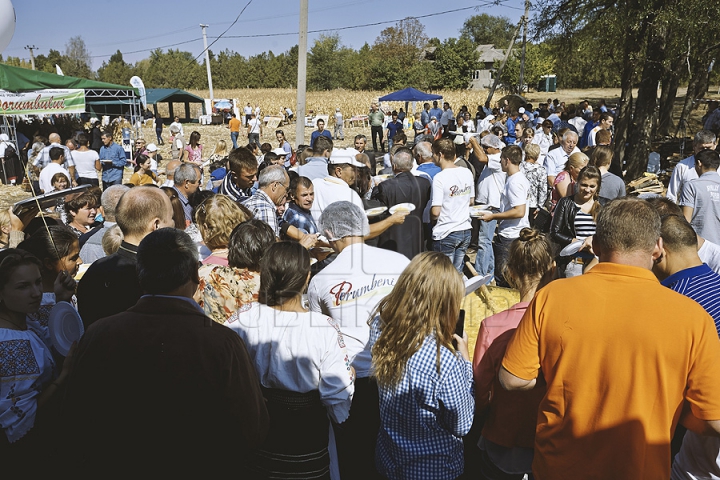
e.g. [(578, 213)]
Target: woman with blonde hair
[(216, 218), (425, 384), (564, 184), (219, 152), (508, 436)]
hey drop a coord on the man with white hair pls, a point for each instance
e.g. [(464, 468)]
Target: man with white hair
[(186, 182), (556, 159), (273, 187), (348, 290)]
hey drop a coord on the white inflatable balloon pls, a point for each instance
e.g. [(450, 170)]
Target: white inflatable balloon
[(7, 23)]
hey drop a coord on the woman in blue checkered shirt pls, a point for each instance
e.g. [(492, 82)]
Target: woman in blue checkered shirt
[(425, 384)]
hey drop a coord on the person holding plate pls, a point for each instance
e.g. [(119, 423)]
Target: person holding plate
[(574, 221), (404, 188)]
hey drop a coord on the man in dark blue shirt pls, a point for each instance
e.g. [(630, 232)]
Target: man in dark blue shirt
[(320, 131), (393, 127)]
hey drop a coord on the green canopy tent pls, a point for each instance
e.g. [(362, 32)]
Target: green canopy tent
[(32, 92), (174, 95)]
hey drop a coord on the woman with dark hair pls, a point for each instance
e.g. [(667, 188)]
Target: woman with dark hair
[(508, 436), (87, 162), (194, 148), (303, 367), (81, 212), (178, 212), (574, 219), (27, 377), (58, 249), (425, 384), (225, 289), (143, 174)]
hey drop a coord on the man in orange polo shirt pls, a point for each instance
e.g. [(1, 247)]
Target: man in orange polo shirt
[(234, 125), (621, 355)]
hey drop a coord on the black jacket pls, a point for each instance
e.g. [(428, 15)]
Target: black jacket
[(562, 228)]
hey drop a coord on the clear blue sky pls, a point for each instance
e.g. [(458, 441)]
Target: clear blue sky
[(142, 25)]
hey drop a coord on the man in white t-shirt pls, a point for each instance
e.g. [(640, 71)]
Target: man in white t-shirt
[(489, 192), (452, 194), (254, 130), (513, 216), (57, 159), (176, 123), (348, 290)]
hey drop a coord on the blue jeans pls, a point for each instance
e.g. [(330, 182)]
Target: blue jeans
[(485, 259), (234, 137), (454, 246)]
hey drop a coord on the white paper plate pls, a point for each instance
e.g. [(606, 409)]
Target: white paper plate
[(472, 284), (65, 326), (571, 249), (402, 206), (374, 212), (476, 209)]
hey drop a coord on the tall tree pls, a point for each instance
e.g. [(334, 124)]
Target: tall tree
[(116, 70), (487, 29), (454, 62), (76, 61), (325, 63)]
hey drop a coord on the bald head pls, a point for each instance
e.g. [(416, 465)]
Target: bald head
[(170, 169), (54, 138), (110, 198), (142, 210)]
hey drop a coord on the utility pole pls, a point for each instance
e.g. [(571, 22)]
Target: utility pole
[(522, 57), (302, 75), (499, 72), (207, 63), (32, 57)]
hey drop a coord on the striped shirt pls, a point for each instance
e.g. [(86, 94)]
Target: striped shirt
[(584, 225), (702, 285)]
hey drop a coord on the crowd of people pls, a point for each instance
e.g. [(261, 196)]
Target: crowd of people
[(292, 312)]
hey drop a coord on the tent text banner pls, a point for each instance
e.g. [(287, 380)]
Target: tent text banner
[(45, 102)]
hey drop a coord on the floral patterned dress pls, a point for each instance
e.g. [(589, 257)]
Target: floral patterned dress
[(223, 290)]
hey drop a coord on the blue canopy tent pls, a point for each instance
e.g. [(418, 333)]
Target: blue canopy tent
[(408, 95)]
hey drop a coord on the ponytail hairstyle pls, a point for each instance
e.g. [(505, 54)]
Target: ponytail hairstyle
[(591, 172), (530, 258), (284, 272)]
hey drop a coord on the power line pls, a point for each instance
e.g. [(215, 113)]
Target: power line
[(351, 27), (223, 33)]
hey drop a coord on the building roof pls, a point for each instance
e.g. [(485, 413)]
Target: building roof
[(489, 54)]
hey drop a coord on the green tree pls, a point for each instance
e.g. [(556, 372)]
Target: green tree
[(116, 70), (46, 63), (487, 29), (455, 59), (174, 69), (326, 61), (539, 60)]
